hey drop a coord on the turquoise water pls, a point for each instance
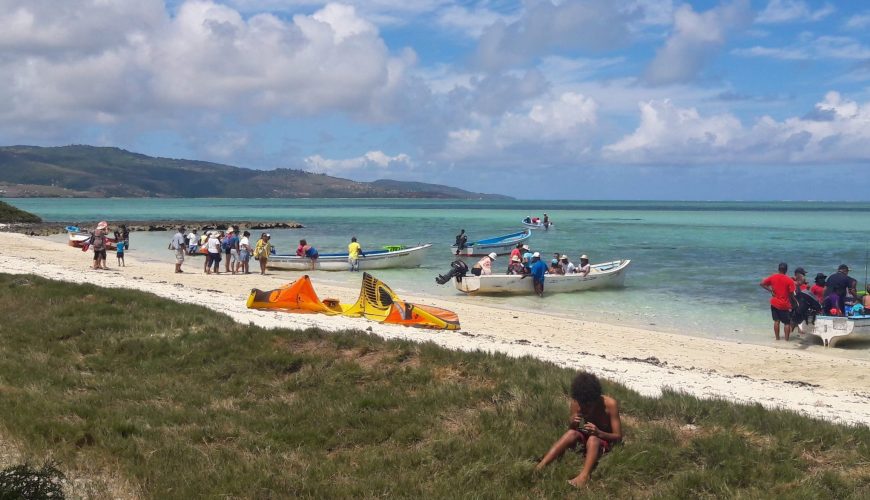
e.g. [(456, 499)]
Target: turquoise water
[(696, 266)]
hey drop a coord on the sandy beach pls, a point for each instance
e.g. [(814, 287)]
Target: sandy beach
[(815, 382)]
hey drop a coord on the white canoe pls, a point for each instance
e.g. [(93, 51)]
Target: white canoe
[(501, 245), (374, 259), (606, 275), (833, 329), (539, 225)]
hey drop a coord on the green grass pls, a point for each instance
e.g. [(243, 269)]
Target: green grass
[(8, 214), (181, 402)]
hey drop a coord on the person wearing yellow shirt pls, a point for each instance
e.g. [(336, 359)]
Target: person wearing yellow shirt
[(354, 251)]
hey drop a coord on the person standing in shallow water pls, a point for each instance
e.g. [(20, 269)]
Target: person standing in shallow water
[(782, 289), (594, 424)]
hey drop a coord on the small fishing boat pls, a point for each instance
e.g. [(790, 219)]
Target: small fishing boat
[(537, 224), (606, 275), (78, 239), (501, 245), (373, 259), (833, 329)]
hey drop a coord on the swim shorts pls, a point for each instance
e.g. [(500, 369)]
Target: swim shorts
[(99, 254), (780, 315)]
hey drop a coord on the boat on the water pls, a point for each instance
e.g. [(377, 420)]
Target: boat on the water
[(833, 329), (78, 239), (373, 259), (501, 245), (605, 275), (537, 224)]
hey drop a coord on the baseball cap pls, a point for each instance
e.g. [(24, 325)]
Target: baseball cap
[(493, 255), (536, 254), (800, 270)]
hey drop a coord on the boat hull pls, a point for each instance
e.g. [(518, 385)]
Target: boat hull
[(538, 226), (405, 258), (833, 329), (78, 240), (606, 275), (501, 245)]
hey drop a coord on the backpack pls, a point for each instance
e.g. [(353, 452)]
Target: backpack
[(226, 244)]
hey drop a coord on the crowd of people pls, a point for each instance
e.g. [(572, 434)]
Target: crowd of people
[(834, 295), (234, 249)]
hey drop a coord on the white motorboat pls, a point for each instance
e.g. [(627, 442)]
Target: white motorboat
[(372, 259), (605, 275)]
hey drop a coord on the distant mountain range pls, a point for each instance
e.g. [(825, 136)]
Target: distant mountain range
[(88, 171)]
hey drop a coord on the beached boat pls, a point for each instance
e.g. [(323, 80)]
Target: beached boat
[(79, 238), (833, 329), (606, 275), (537, 225), (373, 259), (501, 245)]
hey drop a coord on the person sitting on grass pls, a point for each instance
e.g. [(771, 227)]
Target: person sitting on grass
[(594, 424)]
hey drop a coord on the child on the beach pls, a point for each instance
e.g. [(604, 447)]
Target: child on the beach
[(119, 247), (594, 424)]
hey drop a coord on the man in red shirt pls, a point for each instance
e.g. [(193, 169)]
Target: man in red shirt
[(781, 288)]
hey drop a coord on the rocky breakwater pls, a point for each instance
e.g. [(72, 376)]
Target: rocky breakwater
[(134, 226), (49, 228)]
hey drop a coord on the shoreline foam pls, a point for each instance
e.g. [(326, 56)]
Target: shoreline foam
[(813, 383)]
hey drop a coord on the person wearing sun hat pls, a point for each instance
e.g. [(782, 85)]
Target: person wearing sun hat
[(516, 266), (98, 243), (584, 268), (484, 265)]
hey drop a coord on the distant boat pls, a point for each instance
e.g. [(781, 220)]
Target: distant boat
[(536, 224), (373, 259), (501, 245), (606, 275)]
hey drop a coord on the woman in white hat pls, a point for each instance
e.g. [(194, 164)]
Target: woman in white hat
[(584, 266), (484, 265), (516, 266)]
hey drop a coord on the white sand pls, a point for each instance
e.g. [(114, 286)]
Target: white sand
[(814, 382)]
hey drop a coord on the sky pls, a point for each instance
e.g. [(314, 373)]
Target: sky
[(541, 99)]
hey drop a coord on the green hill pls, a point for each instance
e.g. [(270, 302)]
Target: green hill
[(8, 214), (88, 171)]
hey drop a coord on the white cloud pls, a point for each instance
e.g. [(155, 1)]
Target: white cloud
[(374, 163), (381, 12), (859, 21), (695, 39), (822, 47), (92, 61), (837, 130), (551, 128), (784, 11), (666, 130), (471, 21), (593, 25)]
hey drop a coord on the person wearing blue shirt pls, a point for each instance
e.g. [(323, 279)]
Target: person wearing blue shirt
[(119, 247), (538, 270)]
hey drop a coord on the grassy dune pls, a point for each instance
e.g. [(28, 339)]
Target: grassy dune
[(149, 397), (8, 213)]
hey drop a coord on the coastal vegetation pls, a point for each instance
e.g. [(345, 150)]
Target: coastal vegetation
[(127, 393), (10, 214), (88, 171)]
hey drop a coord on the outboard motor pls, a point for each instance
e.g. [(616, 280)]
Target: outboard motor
[(458, 269)]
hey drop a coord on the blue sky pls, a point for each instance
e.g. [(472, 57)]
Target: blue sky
[(587, 99)]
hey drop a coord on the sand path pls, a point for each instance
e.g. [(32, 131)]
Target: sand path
[(814, 381)]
